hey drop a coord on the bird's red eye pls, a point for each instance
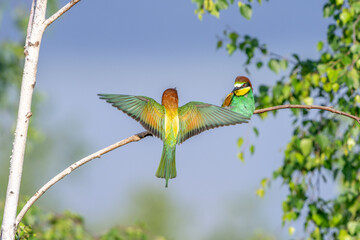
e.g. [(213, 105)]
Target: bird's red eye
[(245, 85)]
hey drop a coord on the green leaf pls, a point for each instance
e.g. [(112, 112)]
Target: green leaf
[(259, 64), (343, 235), (335, 87), (345, 16), (274, 65), (263, 182), (246, 11), (321, 68), (357, 98), (252, 149), (222, 4), (219, 44), (291, 230), (336, 219), (263, 49), (233, 36), (286, 91), (353, 227), (327, 87), (339, 2), (355, 77), (208, 5), (230, 48), (320, 46), (355, 48), (357, 64), (328, 10), (260, 192), (356, 7), (308, 100), (346, 60), (332, 74), (322, 140), (350, 143), (256, 131), (319, 219), (283, 64), (305, 146), (290, 216), (240, 142), (241, 156)]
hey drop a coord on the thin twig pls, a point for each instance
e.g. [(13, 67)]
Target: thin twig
[(74, 166), (330, 109), (138, 137), (278, 56), (60, 12)]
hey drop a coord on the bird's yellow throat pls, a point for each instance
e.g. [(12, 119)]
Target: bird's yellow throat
[(242, 91)]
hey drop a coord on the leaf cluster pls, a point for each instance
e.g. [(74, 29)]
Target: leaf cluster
[(41, 225), (324, 148), (214, 7)]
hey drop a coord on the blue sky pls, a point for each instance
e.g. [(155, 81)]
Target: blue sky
[(144, 48)]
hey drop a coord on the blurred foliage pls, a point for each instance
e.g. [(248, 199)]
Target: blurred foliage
[(156, 210), (242, 218), (40, 225), (238, 221), (324, 147)]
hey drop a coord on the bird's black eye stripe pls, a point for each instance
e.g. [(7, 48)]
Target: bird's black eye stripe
[(245, 85)]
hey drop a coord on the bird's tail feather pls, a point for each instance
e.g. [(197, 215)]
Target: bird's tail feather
[(167, 166)]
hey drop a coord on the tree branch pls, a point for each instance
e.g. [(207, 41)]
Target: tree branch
[(330, 109), (72, 167), (31, 51), (30, 23), (138, 137), (60, 12)]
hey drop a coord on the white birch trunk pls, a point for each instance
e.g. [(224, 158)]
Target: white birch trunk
[(33, 40)]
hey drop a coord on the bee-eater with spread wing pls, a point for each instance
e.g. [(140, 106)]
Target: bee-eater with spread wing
[(241, 99), (173, 125)]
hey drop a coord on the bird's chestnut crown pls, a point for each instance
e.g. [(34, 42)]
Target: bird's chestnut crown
[(170, 98)]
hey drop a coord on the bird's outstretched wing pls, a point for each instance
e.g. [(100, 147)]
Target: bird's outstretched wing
[(196, 117), (145, 110)]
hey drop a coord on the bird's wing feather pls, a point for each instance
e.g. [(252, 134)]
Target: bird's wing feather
[(196, 117), (227, 100), (145, 110)]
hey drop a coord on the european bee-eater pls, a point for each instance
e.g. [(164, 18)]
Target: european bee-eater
[(241, 99), (173, 125)]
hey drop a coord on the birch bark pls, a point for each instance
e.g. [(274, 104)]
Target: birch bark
[(36, 27), (32, 48)]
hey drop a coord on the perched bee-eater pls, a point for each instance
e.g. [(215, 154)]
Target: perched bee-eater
[(241, 99), (173, 125)]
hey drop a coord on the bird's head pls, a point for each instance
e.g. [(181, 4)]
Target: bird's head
[(170, 98), (242, 86)]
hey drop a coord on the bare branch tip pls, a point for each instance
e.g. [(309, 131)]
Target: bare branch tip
[(60, 12)]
